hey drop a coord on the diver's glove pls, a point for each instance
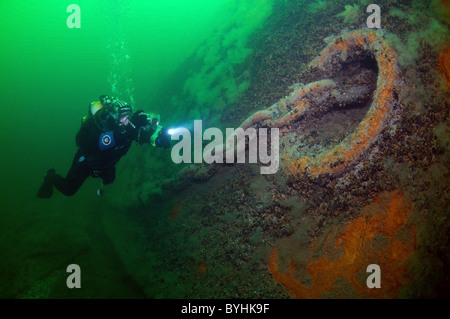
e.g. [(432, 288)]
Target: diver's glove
[(163, 140), (139, 119), (149, 130)]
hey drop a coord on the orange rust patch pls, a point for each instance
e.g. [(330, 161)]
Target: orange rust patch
[(361, 245)]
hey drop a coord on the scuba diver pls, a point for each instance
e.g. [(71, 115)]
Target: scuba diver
[(106, 134)]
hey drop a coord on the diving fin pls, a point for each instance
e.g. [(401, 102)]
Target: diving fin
[(46, 189)]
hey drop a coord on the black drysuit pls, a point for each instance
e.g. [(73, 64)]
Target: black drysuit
[(99, 150)]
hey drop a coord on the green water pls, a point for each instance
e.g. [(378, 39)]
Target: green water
[(49, 75), (218, 61)]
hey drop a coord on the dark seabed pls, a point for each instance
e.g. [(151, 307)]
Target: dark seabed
[(364, 147)]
